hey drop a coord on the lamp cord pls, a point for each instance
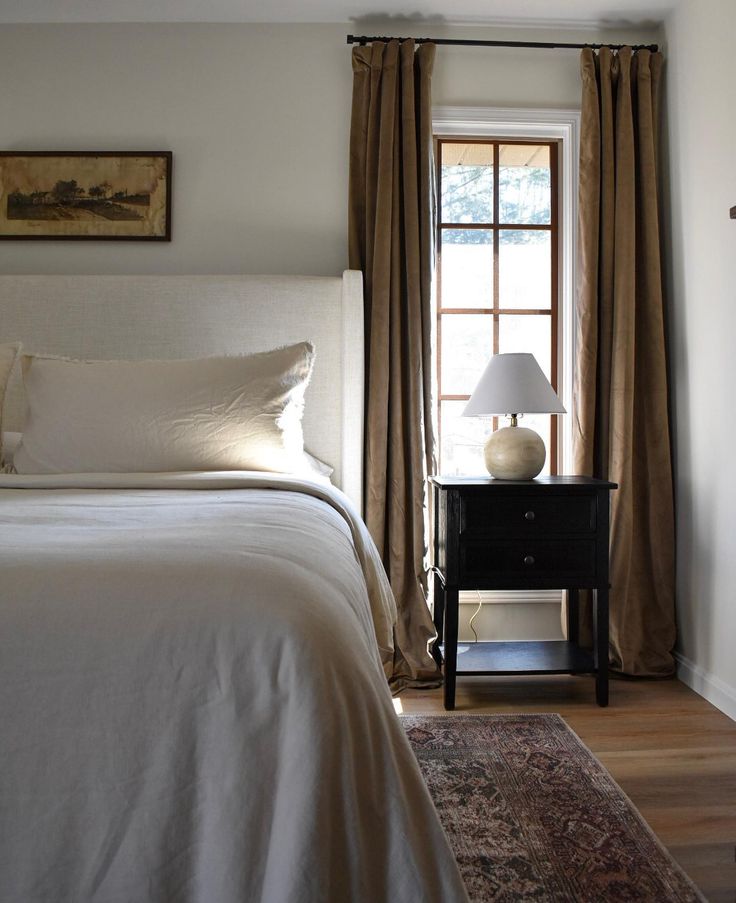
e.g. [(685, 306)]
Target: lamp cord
[(475, 615)]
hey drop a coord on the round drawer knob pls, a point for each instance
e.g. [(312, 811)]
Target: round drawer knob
[(529, 515), (528, 560)]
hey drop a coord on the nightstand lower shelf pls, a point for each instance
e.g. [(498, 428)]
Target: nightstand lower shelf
[(528, 657)]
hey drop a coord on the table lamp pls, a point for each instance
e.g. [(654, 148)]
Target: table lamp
[(513, 384)]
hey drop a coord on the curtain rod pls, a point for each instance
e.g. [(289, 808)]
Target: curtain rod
[(538, 45)]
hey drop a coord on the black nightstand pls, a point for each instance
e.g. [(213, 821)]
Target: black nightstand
[(548, 533)]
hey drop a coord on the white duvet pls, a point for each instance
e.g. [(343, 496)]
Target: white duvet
[(192, 700)]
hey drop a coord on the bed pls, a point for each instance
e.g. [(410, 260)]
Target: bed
[(193, 664)]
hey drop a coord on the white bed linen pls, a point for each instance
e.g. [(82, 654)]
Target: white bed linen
[(192, 701)]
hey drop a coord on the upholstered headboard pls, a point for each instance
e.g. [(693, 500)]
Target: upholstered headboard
[(145, 317)]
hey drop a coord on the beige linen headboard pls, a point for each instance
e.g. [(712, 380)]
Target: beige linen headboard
[(149, 317)]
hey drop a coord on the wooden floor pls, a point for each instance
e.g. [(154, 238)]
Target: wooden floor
[(672, 752)]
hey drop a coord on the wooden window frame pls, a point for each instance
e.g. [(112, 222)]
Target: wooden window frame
[(496, 312)]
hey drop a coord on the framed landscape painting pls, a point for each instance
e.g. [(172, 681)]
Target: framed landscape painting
[(92, 195)]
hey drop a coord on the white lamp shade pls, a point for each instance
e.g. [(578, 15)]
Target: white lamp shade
[(513, 384)]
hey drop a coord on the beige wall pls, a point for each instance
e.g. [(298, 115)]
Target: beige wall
[(257, 118), (701, 108), (254, 116)]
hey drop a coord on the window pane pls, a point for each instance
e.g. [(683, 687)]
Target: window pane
[(466, 259), (462, 440), (526, 333), (524, 189), (467, 344), (467, 183), (525, 269)]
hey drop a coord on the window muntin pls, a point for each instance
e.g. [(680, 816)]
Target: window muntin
[(497, 280)]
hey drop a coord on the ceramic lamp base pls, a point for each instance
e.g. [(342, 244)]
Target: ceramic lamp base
[(514, 453)]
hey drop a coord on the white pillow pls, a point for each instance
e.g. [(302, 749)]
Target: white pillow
[(226, 413), (318, 467), (8, 354)]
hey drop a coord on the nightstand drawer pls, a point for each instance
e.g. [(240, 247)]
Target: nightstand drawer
[(533, 560), (525, 515)]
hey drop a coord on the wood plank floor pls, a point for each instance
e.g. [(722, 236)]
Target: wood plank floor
[(672, 752)]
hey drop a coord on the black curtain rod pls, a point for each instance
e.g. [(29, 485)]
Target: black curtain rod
[(539, 45)]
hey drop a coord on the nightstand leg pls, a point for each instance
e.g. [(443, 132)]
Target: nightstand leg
[(600, 615), (438, 596), (573, 616), (450, 637)]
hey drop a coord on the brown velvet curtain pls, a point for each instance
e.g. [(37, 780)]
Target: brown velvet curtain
[(621, 426), (391, 220)]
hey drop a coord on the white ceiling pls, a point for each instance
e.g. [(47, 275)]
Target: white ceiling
[(568, 13)]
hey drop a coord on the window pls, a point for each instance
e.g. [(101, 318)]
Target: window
[(497, 279)]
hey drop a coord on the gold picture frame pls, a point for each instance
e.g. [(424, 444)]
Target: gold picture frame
[(85, 195)]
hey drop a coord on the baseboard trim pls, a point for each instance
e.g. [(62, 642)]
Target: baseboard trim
[(506, 597), (707, 685)]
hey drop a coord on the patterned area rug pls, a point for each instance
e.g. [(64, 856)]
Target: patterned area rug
[(531, 814)]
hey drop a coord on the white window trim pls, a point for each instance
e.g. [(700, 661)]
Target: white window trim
[(564, 125)]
